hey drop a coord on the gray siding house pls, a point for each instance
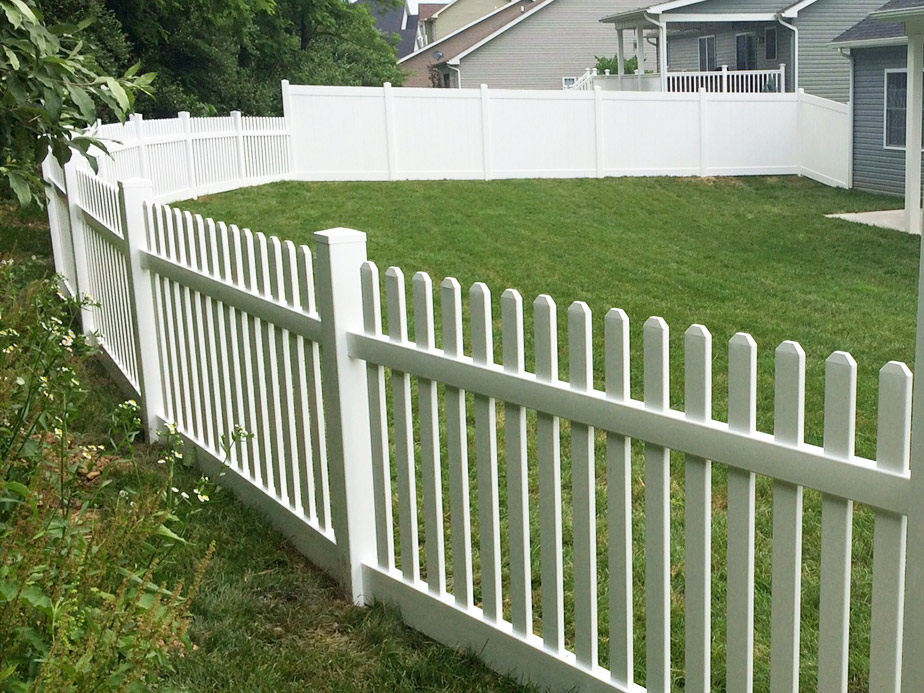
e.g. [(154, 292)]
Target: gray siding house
[(548, 44), (752, 39), (878, 54)]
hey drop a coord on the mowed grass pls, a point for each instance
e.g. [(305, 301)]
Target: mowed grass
[(751, 254), (264, 619)]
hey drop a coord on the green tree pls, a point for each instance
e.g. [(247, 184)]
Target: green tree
[(51, 87), (221, 55)]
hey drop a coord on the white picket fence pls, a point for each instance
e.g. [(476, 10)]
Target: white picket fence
[(213, 326)]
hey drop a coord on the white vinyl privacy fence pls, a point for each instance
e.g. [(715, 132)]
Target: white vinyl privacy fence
[(403, 466), (380, 133)]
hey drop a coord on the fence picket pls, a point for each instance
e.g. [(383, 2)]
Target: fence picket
[(252, 261), (190, 228), (698, 514), (889, 534), (521, 588), (619, 505), (165, 304), (742, 418), (549, 454), (185, 384), (657, 515), (836, 527), (580, 360), (312, 364), (282, 292), (785, 609), (429, 440), (215, 248), (457, 447), (486, 455), (378, 419), (246, 364), (210, 358), (269, 339), (404, 430)]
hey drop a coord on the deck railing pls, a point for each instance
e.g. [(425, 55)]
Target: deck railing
[(715, 81)]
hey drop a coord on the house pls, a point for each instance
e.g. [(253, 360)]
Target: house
[(878, 53), (454, 15), (400, 21), (528, 44), (744, 45)]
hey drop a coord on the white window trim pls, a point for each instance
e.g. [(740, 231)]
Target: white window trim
[(776, 44), (885, 94), (566, 83), (699, 47), (744, 33)]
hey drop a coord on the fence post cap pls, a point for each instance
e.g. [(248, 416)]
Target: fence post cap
[(339, 236)]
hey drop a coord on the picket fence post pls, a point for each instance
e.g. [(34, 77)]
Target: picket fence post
[(138, 120), (133, 193), (79, 244), (190, 160), (340, 254), (238, 127)]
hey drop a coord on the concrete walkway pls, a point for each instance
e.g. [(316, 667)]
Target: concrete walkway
[(887, 219)]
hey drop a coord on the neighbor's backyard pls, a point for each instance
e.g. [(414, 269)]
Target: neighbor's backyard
[(755, 255)]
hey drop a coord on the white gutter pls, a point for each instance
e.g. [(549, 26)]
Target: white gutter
[(795, 52), (458, 71)]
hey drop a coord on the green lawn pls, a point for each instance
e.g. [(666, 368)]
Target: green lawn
[(750, 254)]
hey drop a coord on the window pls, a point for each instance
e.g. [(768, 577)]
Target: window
[(744, 52), (707, 61), (770, 43), (896, 99), (568, 81), (446, 82)]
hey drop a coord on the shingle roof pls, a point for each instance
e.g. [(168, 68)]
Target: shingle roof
[(389, 22), (426, 9), (870, 29)]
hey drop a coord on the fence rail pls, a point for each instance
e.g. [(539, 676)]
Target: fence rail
[(360, 430)]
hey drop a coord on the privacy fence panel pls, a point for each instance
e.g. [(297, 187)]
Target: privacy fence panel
[(375, 133)]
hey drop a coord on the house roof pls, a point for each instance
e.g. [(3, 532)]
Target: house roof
[(787, 8), (425, 10), (529, 12), (391, 20), (461, 40), (872, 31)]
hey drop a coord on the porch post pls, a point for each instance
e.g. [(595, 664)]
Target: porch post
[(913, 627), (913, 133), (640, 54), (662, 54), (620, 55)]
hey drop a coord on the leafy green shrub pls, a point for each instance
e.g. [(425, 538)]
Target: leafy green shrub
[(612, 64), (83, 604)]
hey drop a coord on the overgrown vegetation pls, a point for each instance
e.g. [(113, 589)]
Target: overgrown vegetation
[(612, 64), (119, 615), (50, 84)]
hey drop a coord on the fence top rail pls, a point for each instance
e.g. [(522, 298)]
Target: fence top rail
[(855, 478)]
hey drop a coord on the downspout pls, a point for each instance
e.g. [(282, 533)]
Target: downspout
[(458, 73), (662, 49), (795, 52), (846, 52)]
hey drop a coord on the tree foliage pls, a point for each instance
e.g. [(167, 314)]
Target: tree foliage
[(221, 55), (50, 86)]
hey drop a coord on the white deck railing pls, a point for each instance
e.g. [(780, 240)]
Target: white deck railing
[(716, 81)]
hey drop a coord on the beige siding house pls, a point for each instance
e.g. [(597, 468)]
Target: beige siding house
[(544, 43), (457, 14)]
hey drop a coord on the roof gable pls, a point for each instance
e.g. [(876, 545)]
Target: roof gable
[(873, 31)]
